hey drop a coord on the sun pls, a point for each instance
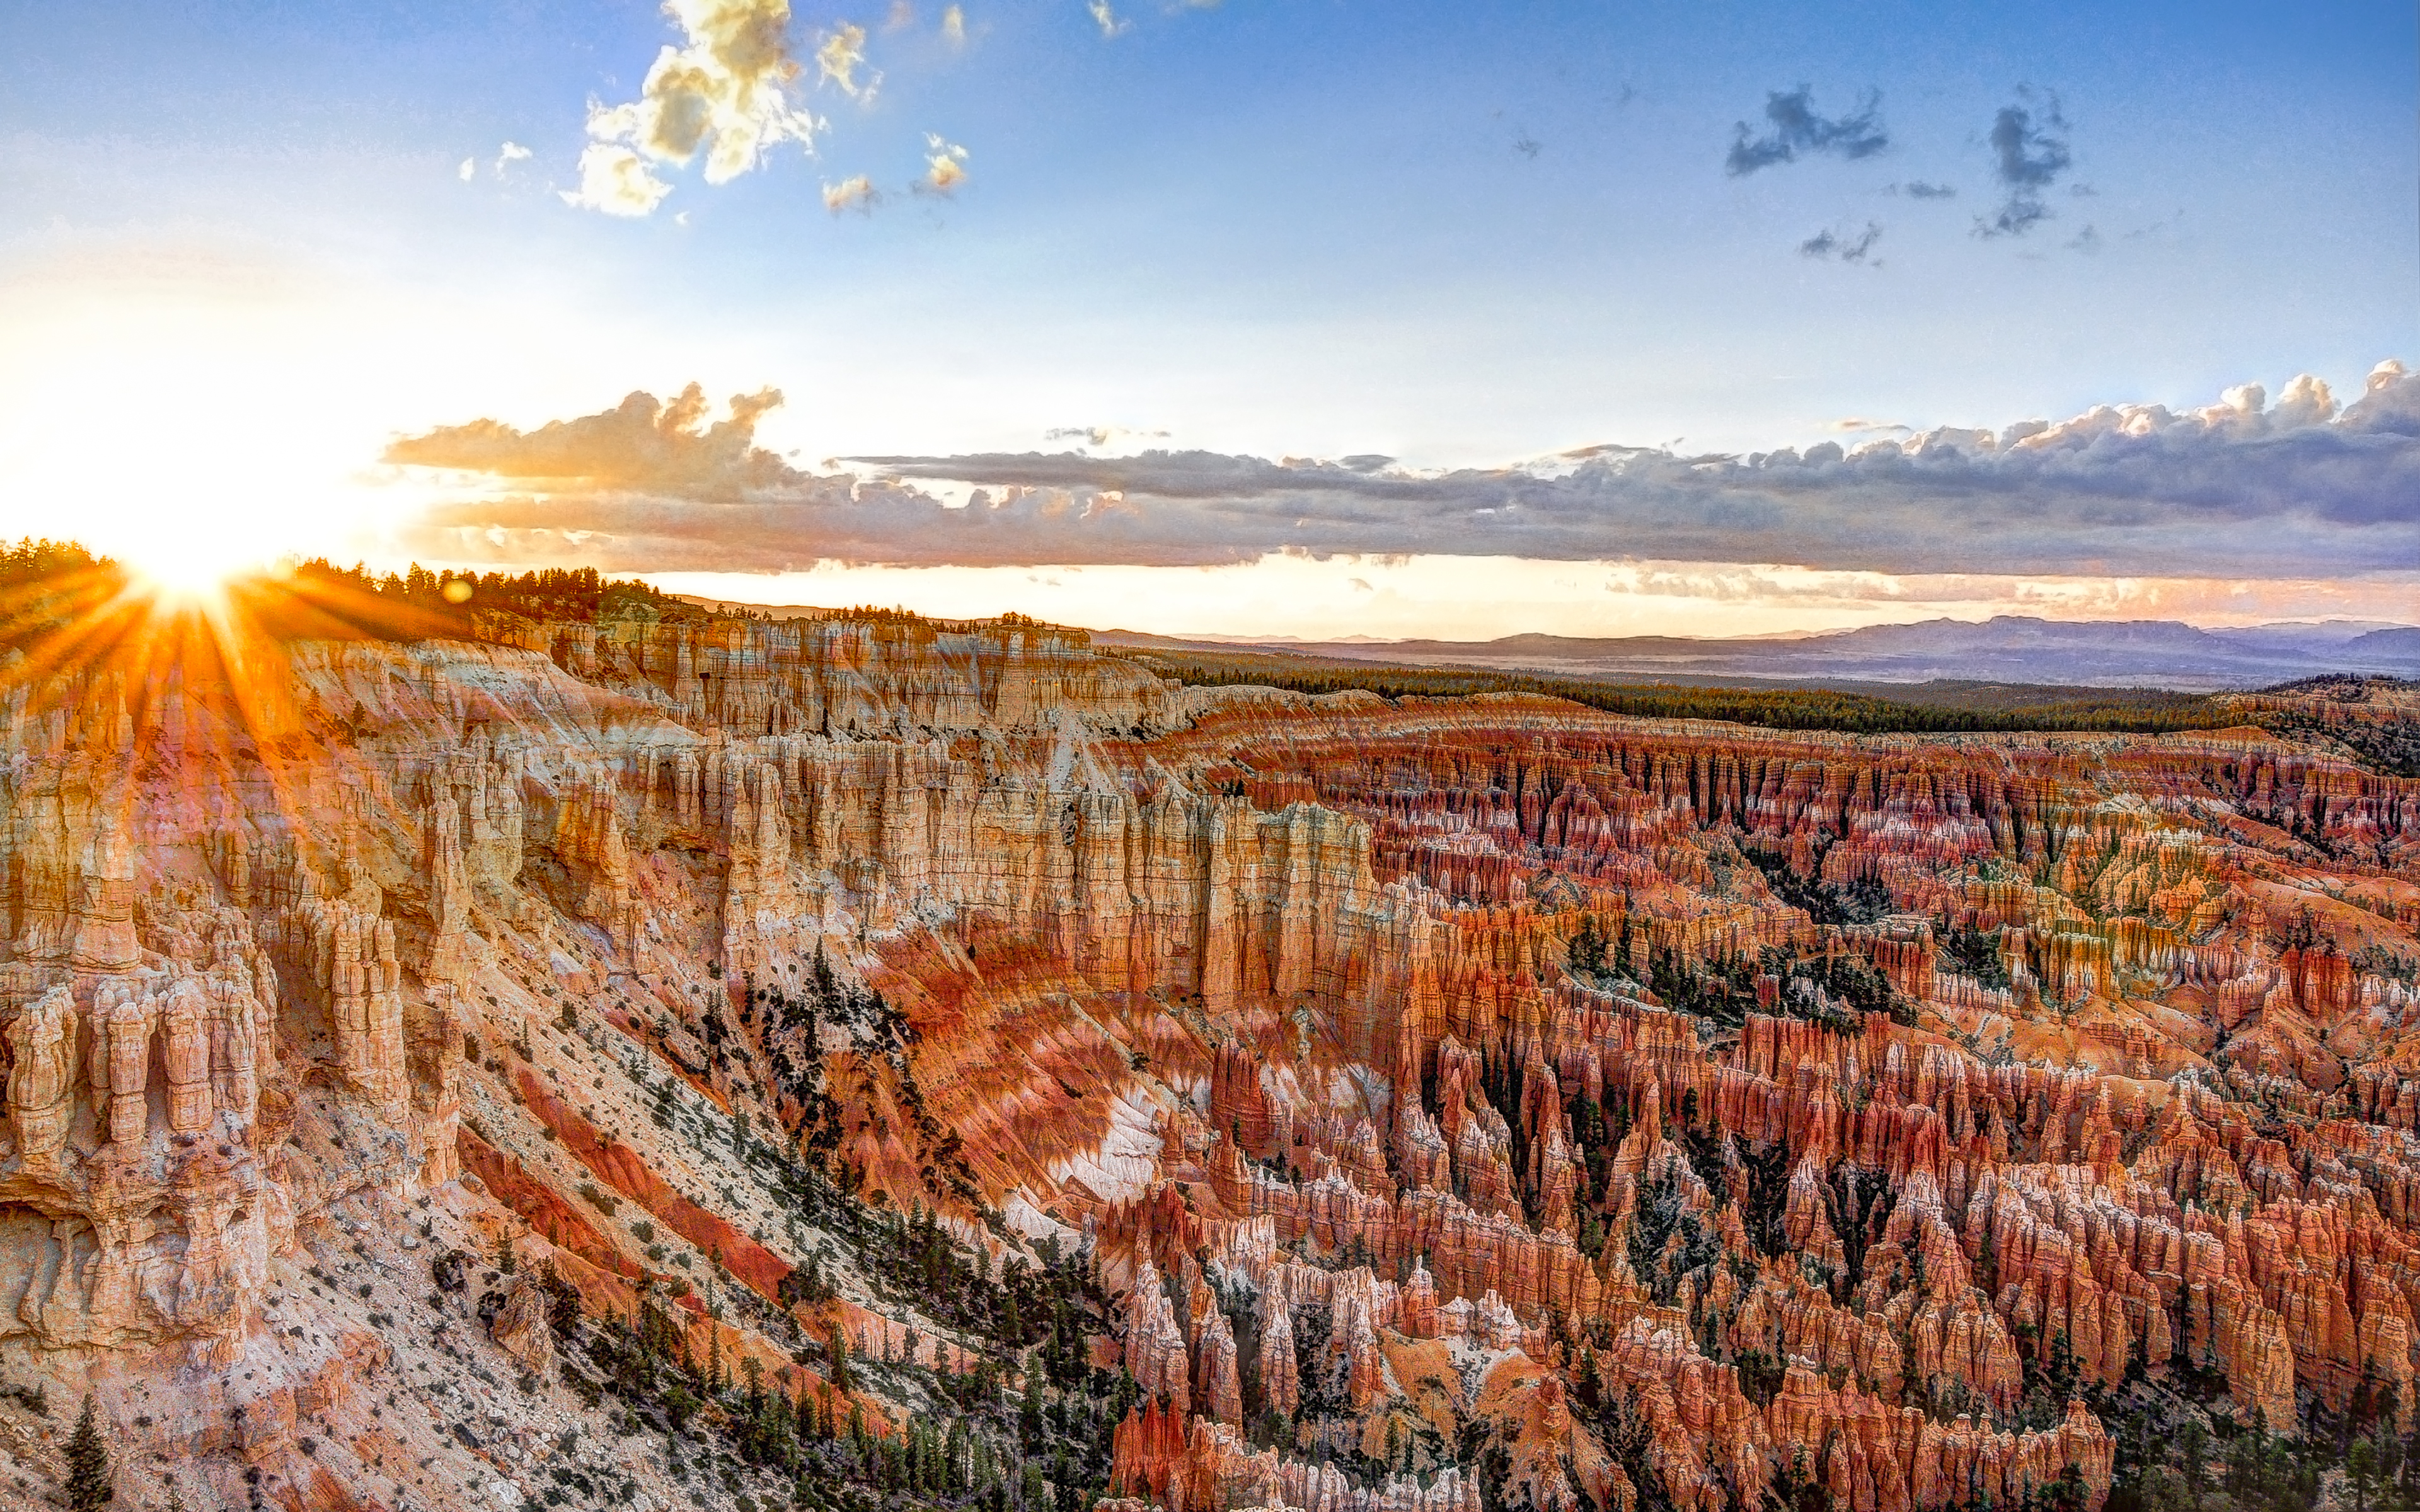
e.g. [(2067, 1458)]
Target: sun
[(184, 570)]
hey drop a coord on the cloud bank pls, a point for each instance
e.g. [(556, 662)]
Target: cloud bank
[(2303, 488)]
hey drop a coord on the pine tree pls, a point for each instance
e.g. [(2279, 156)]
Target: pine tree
[(1029, 1417), (838, 1349), (87, 1464), (953, 1457), (2361, 1468), (2195, 1440)]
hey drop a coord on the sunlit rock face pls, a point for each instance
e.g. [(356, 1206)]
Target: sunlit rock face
[(1483, 1100)]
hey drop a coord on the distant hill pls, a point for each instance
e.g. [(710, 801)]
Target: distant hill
[(2007, 649), (2401, 642)]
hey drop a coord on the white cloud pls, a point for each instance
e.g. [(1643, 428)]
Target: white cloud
[(724, 94), (841, 55), (852, 193), (953, 27), (617, 181), (512, 152), (945, 166), (1106, 19), (470, 169)]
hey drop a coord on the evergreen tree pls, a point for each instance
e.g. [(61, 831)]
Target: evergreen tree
[(954, 1457), (87, 1464), (2062, 1370), (2066, 1494), (2194, 1440), (1029, 1420), (2361, 1468), (1587, 948)]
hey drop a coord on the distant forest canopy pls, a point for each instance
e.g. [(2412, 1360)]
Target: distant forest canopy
[(1957, 708), (2361, 718), (50, 584), (45, 584), (898, 616), (574, 594), (32, 562)]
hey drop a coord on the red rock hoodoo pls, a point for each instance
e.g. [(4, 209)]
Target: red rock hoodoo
[(417, 1073)]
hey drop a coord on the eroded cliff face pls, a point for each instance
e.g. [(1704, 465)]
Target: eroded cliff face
[(1482, 1101)]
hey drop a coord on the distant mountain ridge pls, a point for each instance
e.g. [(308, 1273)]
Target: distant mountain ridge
[(2007, 648)]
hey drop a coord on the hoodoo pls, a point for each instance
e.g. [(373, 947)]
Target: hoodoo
[(668, 1060)]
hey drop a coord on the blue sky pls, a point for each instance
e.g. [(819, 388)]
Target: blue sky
[(1459, 236)]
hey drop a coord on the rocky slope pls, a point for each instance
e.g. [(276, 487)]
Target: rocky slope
[(656, 1064)]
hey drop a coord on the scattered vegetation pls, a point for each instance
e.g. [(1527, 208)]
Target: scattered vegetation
[(1667, 1242), (970, 1437), (1861, 900), (2375, 721), (1973, 953)]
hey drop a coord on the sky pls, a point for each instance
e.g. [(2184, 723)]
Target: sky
[(1303, 318)]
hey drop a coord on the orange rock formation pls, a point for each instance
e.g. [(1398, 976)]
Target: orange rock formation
[(1914, 1088)]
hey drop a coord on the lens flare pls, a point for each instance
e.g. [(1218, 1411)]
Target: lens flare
[(173, 565), (182, 579)]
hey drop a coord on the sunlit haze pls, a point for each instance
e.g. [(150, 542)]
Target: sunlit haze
[(264, 268)]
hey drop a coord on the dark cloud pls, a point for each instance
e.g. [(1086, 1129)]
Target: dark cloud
[(1847, 248), (1796, 128), (2244, 487), (2017, 215), (1918, 188), (2030, 152)]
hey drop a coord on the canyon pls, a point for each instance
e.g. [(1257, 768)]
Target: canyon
[(441, 1072)]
